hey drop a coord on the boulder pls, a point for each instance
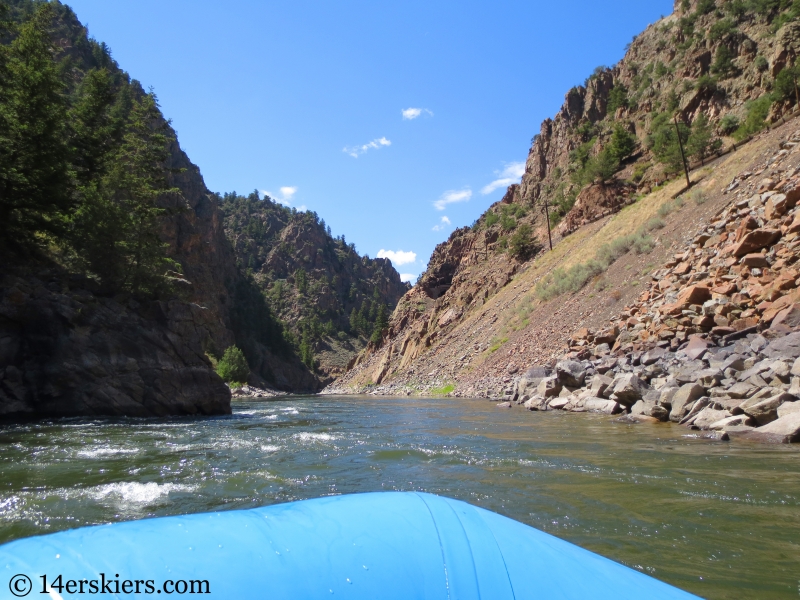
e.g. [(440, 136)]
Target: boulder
[(734, 421), (682, 400), (709, 377), (694, 294), (570, 373), (628, 388), (709, 416), (549, 387), (741, 390), (787, 347), (776, 206), (660, 413), (756, 240), (600, 385), (788, 317), (765, 411), (783, 430), (696, 348), (667, 392), (652, 356), (788, 408), (602, 405), (558, 403), (755, 261)]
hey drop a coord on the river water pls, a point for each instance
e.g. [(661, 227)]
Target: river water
[(721, 520)]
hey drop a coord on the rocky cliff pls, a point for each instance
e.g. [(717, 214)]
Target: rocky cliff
[(68, 346), (484, 308), (325, 293)]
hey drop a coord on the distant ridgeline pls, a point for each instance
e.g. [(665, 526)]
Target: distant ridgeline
[(119, 289), (331, 300)]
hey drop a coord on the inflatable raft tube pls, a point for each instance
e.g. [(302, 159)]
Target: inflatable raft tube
[(377, 546)]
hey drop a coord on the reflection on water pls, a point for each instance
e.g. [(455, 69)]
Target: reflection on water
[(718, 519)]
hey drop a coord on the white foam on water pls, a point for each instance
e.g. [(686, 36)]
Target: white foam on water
[(102, 452), (133, 493), (270, 448), (307, 436)]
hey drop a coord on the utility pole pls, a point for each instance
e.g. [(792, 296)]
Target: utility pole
[(683, 155), (547, 218)]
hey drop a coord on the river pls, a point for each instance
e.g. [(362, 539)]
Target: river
[(717, 519)]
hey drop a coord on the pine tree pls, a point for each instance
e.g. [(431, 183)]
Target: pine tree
[(622, 143), (35, 181), (136, 181), (381, 323), (702, 141)]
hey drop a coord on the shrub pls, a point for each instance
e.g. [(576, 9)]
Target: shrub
[(698, 196), (492, 218), (706, 84), (761, 63), (723, 63), (507, 222), (720, 29), (617, 98), (523, 244), (233, 366), (785, 87), (705, 6), (655, 223), (638, 171), (755, 119), (728, 124)]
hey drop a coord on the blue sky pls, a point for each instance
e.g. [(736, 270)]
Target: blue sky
[(395, 121)]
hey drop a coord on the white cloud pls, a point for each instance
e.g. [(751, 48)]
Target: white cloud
[(409, 114), (407, 277), (440, 226), (398, 258), (511, 174), (287, 192), (284, 196), (452, 197), (356, 151)]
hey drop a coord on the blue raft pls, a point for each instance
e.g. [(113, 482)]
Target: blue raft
[(365, 546)]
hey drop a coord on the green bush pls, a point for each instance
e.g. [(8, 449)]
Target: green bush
[(728, 124), (233, 366), (720, 29), (755, 119), (523, 244), (507, 222), (492, 218), (723, 64), (617, 98), (761, 63), (785, 87), (705, 6)]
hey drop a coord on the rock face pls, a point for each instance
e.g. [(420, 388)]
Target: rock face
[(312, 280), (453, 302), (65, 349), (67, 352)]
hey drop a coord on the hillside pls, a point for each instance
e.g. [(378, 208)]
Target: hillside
[(494, 300), (328, 296), (119, 288)]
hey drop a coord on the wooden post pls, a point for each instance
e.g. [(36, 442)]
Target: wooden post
[(547, 218), (683, 155)]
